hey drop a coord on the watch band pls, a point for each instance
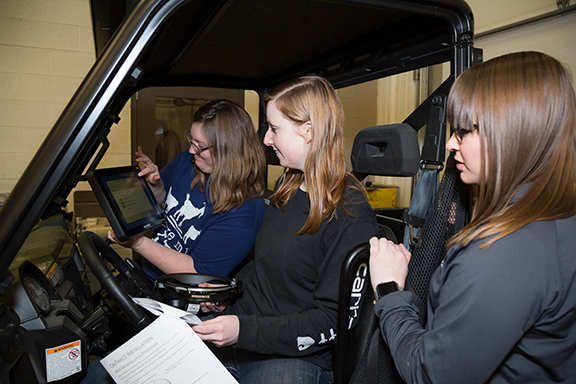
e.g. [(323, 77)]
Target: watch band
[(383, 289)]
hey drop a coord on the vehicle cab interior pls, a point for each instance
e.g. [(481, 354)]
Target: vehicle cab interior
[(63, 289)]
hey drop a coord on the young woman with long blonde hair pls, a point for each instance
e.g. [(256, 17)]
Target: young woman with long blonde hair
[(284, 326)]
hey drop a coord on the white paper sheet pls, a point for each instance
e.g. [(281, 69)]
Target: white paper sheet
[(168, 351), (157, 308)]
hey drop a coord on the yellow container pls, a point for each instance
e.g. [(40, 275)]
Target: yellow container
[(382, 196)]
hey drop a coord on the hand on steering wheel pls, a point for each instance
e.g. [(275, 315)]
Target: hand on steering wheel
[(95, 250)]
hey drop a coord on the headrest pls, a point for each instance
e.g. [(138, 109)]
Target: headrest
[(386, 150)]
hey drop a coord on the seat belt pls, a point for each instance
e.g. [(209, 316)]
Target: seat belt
[(432, 162), (423, 198)]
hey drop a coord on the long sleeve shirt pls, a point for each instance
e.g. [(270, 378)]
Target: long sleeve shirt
[(505, 314), (290, 300)]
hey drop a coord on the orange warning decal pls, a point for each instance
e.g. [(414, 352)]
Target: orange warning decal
[(63, 347)]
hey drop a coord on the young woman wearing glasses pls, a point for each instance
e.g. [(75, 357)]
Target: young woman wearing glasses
[(212, 196), (501, 306)]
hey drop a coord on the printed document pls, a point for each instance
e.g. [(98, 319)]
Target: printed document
[(168, 351)]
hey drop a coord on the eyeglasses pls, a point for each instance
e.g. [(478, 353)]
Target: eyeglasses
[(460, 132), (197, 149)]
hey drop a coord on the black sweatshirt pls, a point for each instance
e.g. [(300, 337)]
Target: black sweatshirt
[(290, 300)]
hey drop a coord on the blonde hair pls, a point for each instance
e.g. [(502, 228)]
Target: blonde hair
[(524, 107), (239, 163), (313, 99)]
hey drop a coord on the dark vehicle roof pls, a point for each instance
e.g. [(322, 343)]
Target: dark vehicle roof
[(243, 44), (252, 44)]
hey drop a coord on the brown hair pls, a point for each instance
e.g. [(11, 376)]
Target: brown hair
[(525, 109), (313, 99), (239, 163)]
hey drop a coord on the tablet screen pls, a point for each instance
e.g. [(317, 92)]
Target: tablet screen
[(126, 200)]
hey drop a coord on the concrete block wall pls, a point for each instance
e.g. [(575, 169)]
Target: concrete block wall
[(46, 49)]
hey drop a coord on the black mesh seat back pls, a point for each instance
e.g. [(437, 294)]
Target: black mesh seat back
[(366, 356), (376, 364), (441, 224)]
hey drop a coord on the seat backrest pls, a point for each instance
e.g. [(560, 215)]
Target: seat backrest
[(361, 355), (359, 345), (449, 216), (384, 231)]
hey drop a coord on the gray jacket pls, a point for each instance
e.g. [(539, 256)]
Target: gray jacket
[(506, 314)]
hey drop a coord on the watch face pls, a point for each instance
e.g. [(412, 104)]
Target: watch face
[(383, 289)]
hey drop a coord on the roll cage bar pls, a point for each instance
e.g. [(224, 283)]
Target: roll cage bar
[(241, 44)]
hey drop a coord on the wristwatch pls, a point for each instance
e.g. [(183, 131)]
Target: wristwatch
[(383, 289)]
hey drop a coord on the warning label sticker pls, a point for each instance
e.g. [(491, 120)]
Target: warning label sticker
[(63, 361)]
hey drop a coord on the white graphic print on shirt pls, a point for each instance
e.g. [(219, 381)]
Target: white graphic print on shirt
[(179, 230)]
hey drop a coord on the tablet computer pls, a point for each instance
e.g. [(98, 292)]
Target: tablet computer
[(127, 201)]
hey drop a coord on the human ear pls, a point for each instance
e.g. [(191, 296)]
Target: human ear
[(308, 133)]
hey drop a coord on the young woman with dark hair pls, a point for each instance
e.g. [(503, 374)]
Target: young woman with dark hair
[(212, 196)]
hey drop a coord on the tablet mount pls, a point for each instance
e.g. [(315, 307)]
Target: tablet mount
[(127, 201), (131, 209)]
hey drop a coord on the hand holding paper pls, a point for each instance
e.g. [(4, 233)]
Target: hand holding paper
[(157, 308), (166, 351)]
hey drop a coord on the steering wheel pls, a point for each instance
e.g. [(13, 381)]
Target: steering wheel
[(95, 250)]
